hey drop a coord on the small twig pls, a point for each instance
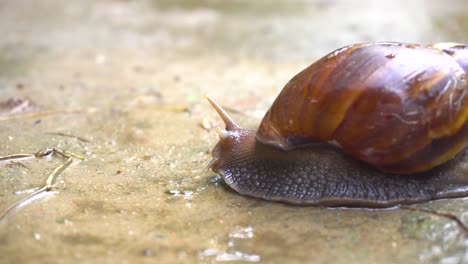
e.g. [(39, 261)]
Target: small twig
[(44, 152), (15, 205), (67, 154), (53, 176), (50, 179), (17, 156), (69, 135), (452, 217)]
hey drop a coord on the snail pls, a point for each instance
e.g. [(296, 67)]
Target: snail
[(369, 125)]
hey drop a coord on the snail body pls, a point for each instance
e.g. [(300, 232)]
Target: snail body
[(373, 124)]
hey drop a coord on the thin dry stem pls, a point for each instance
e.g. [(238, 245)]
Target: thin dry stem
[(49, 182), (16, 157)]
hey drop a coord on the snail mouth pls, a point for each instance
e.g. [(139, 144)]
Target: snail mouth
[(213, 165), (216, 160)]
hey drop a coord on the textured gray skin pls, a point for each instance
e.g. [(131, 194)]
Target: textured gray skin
[(323, 175)]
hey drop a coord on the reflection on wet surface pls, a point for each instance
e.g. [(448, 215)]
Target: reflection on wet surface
[(129, 79), (232, 249)]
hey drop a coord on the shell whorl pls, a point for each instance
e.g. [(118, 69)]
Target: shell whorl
[(402, 108)]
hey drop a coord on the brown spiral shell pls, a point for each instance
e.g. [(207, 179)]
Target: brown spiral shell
[(402, 108)]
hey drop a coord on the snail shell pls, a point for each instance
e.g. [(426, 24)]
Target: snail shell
[(373, 124)]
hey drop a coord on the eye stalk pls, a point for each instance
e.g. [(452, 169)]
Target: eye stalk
[(228, 121), (223, 134)]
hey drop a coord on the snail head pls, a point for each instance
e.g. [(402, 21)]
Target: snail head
[(233, 140)]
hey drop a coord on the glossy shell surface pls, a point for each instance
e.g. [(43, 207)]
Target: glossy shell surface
[(402, 108)]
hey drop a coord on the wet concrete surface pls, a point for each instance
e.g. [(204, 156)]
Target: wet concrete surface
[(128, 79)]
